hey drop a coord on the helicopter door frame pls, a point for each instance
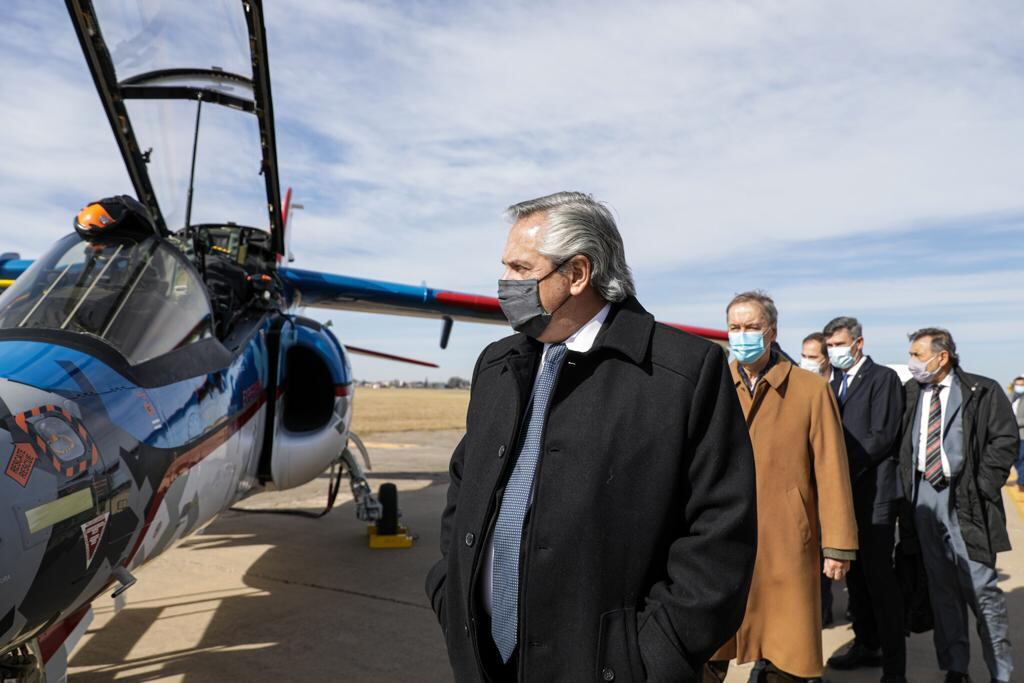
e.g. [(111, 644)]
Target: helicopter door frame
[(151, 85)]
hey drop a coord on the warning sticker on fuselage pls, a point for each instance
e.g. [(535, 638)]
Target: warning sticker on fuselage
[(92, 533), (22, 462)]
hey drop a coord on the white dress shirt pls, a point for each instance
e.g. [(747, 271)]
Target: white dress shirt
[(926, 402), (580, 342)]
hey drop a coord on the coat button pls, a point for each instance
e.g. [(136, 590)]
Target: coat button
[(470, 538), (501, 451), (608, 673)]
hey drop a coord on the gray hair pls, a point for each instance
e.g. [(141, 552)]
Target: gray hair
[(577, 224), (761, 298), (942, 340), (844, 322)]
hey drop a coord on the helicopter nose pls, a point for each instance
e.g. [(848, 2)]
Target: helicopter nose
[(47, 492)]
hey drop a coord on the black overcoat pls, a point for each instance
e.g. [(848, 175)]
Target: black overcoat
[(640, 541), (871, 425), (991, 443)]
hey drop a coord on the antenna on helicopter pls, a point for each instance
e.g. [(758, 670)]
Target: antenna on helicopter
[(288, 234), (200, 260)]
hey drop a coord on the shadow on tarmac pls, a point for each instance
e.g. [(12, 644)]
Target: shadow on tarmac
[(922, 666), (315, 604), (344, 612)]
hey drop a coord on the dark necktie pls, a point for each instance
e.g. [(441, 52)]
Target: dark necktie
[(842, 390), (508, 530), (933, 450)]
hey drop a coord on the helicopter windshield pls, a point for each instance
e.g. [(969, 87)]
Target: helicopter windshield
[(142, 298), (183, 71)]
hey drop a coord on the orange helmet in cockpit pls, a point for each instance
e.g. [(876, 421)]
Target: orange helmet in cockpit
[(115, 217)]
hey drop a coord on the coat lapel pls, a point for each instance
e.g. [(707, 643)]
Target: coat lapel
[(746, 401), (953, 404), (860, 378), (518, 356), (627, 330), (836, 381), (523, 368), (774, 379)]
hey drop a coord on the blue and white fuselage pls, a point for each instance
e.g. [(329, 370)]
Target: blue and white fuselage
[(106, 464)]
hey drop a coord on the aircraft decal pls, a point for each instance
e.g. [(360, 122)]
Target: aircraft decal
[(57, 433), (187, 459), (21, 464), (92, 532), (150, 410), (252, 393)]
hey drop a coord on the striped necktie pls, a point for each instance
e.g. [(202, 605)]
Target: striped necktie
[(508, 530), (933, 450)]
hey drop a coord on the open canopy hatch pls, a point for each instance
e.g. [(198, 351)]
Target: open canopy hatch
[(186, 87)]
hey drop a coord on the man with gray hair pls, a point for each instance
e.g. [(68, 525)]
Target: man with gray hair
[(803, 499), (871, 403), (601, 520), (959, 440)]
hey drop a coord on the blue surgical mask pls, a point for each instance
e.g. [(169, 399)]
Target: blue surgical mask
[(841, 357), (746, 346), (1018, 389)]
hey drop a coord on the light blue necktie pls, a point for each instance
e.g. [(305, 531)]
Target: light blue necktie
[(508, 530)]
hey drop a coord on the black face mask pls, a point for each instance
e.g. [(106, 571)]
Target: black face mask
[(520, 302)]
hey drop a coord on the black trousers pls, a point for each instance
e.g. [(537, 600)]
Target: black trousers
[(875, 597)]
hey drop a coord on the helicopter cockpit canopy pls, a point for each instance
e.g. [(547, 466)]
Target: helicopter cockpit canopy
[(139, 296), (186, 88)]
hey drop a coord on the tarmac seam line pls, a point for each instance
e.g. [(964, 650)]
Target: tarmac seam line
[(346, 591)]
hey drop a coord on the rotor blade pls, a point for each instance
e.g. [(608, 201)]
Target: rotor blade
[(388, 356)]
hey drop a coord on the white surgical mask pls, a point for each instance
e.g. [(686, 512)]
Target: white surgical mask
[(919, 369), (811, 365), (841, 357)]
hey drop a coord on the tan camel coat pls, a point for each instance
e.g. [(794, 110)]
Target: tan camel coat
[(802, 481)]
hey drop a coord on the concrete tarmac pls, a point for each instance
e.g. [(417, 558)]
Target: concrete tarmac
[(269, 597)]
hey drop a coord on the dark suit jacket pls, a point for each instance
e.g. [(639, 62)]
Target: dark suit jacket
[(989, 446), (639, 546), (871, 413)]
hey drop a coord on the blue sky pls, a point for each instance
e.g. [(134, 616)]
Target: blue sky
[(860, 159)]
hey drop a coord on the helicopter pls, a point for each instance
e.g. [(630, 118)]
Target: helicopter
[(154, 368)]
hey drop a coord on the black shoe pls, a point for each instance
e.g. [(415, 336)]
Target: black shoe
[(856, 657), (957, 677), (893, 678)]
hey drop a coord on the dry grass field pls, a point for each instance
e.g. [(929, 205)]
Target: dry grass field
[(405, 410)]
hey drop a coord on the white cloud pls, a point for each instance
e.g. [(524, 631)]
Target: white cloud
[(710, 127), (717, 130)]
